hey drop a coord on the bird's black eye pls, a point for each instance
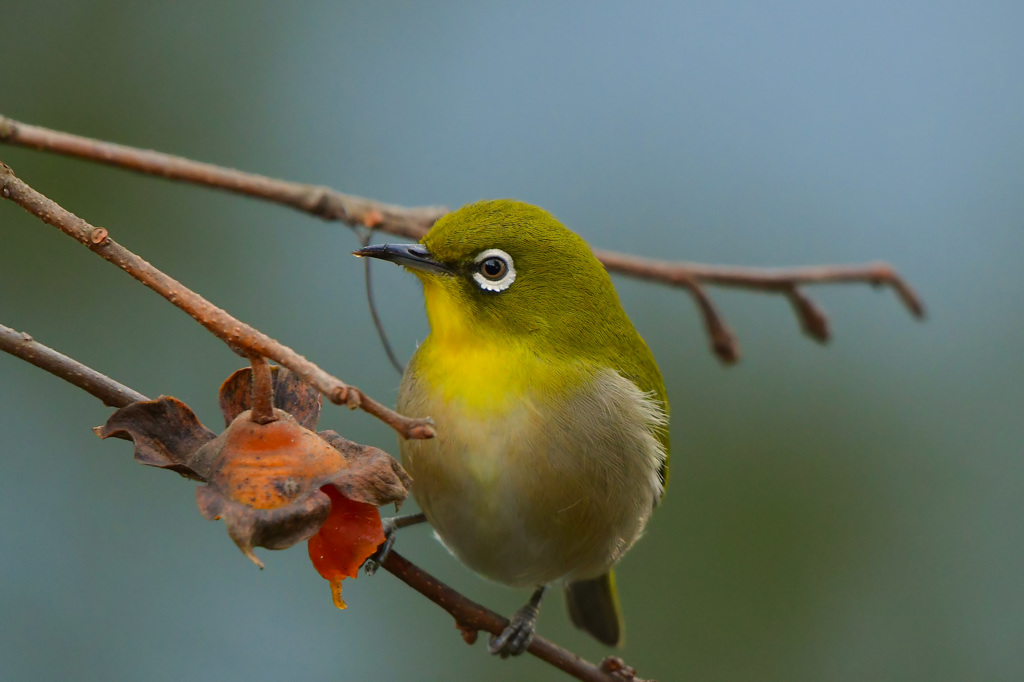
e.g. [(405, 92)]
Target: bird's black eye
[(493, 268)]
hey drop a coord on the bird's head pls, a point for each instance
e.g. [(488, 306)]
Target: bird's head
[(505, 268)]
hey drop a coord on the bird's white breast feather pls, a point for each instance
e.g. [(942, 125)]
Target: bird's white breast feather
[(544, 490)]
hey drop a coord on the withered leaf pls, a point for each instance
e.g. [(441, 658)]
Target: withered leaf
[(166, 433), (291, 394), (271, 528), (374, 476)]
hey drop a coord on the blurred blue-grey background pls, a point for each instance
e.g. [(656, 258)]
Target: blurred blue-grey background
[(847, 512)]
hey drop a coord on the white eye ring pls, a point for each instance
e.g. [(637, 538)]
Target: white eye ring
[(495, 284)]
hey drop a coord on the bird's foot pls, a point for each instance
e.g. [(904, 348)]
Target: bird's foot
[(516, 637), (390, 527), (374, 561)]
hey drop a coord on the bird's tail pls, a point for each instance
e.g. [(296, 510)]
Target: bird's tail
[(594, 607)]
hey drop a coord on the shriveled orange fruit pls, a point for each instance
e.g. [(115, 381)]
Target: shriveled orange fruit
[(351, 533)]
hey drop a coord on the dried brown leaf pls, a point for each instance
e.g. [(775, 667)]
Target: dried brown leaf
[(166, 433), (291, 394), (271, 528), (373, 476)]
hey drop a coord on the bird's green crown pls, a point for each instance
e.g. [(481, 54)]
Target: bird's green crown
[(516, 271)]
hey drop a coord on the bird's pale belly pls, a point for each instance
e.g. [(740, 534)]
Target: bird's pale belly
[(528, 496)]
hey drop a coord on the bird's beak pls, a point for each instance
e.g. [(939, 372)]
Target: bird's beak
[(414, 256)]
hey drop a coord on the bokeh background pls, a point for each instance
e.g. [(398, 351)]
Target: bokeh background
[(847, 512)]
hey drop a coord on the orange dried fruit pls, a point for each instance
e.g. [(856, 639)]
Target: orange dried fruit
[(267, 480), (351, 533)]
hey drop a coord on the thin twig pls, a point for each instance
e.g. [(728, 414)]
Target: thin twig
[(723, 341), (89, 380), (364, 240), (812, 318), (414, 222), (224, 326), (472, 617), (262, 391), (469, 615)]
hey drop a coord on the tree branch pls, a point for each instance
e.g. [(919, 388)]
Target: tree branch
[(763, 279), (224, 326), (469, 616), (322, 202), (89, 380), (785, 281), (414, 222)]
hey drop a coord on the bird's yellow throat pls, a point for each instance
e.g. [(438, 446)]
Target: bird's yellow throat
[(483, 371)]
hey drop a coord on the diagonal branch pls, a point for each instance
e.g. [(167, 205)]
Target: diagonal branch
[(219, 322), (323, 202), (414, 222), (89, 380), (469, 616)]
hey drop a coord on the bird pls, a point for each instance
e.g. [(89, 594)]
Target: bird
[(551, 443)]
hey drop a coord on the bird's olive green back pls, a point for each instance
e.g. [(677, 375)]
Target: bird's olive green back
[(562, 304)]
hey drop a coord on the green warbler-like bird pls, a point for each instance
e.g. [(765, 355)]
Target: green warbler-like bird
[(551, 446)]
